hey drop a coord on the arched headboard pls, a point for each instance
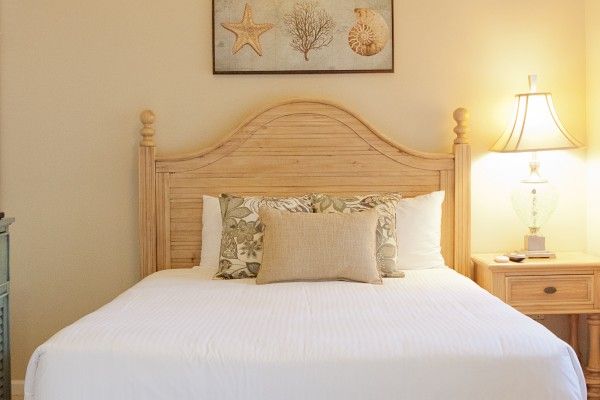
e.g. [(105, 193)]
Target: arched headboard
[(292, 148)]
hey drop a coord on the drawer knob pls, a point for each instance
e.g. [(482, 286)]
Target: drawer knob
[(550, 290)]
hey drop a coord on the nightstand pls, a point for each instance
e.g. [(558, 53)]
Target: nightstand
[(568, 284)]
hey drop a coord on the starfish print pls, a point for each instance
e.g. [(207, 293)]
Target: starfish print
[(247, 32)]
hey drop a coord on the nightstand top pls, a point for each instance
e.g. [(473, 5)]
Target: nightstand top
[(564, 259)]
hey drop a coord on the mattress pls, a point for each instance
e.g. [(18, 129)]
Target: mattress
[(179, 334)]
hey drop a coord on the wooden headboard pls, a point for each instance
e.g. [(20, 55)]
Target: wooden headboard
[(292, 148)]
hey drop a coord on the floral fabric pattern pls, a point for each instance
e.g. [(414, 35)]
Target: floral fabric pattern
[(242, 241), (385, 204)]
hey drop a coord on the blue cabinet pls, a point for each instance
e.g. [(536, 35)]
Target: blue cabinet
[(4, 293)]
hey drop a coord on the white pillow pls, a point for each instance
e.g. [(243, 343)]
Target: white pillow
[(212, 227), (419, 232)]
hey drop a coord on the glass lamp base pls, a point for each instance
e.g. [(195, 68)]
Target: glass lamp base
[(535, 247)]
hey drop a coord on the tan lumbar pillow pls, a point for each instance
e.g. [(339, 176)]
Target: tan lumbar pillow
[(318, 247), (385, 204)]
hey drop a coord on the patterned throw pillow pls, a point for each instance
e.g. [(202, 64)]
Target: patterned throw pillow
[(241, 244), (385, 204)]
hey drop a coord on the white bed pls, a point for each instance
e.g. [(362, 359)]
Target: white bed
[(181, 335)]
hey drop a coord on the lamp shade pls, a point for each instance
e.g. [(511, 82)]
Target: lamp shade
[(535, 126)]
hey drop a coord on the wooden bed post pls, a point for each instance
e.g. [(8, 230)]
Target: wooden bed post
[(462, 201), (147, 195)]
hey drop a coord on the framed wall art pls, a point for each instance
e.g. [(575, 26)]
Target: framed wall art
[(302, 36)]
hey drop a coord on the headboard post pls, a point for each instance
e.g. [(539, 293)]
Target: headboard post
[(462, 201), (147, 195)]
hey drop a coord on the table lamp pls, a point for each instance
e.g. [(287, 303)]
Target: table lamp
[(535, 127)]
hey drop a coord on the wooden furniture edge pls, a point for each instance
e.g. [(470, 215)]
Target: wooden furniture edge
[(146, 195), (562, 260), (462, 193), (7, 221)]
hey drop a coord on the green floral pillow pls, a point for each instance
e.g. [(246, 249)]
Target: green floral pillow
[(385, 204), (241, 244)]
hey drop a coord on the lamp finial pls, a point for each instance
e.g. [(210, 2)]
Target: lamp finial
[(533, 79)]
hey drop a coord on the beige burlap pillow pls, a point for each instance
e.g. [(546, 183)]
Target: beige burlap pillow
[(318, 247), (385, 204)]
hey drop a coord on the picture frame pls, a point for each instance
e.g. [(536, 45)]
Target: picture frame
[(302, 36)]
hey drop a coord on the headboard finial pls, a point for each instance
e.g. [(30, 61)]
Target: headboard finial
[(462, 117), (147, 118)]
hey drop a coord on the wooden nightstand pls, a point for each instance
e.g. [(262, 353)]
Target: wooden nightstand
[(568, 284)]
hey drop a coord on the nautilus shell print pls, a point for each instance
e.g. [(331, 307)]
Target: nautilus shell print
[(370, 34)]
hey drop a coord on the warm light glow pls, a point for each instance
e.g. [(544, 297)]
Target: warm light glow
[(535, 127)]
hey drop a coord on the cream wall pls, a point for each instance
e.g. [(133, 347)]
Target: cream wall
[(593, 113), (75, 74)]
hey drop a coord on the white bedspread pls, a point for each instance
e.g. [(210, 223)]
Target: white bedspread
[(180, 335)]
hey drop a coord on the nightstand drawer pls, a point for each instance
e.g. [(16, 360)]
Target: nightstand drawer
[(550, 289)]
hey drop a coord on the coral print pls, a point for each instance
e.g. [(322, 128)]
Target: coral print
[(310, 27)]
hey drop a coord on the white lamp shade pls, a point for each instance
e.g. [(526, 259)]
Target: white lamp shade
[(535, 127)]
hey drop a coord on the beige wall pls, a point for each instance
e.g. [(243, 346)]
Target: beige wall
[(593, 113), (74, 75)]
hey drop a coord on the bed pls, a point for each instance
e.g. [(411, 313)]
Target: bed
[(180, 334)]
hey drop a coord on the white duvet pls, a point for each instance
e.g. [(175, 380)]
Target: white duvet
[(180, 335)]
